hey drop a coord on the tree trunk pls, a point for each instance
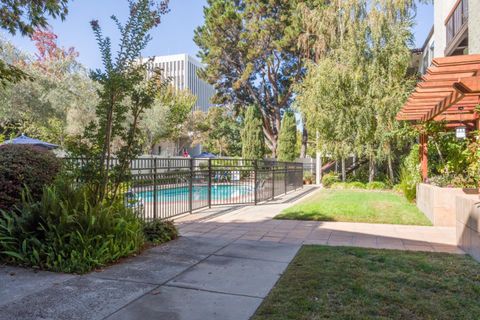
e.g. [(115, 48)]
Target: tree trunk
[(354, 164), (344, 175), (390, 169), (371, 169), (318, 162), (303, 150)]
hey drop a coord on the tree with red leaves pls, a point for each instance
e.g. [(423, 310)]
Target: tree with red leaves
[(46, 43)]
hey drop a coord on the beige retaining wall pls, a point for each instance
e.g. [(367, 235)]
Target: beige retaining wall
[(438, 204), (452, 207), (468, 224)]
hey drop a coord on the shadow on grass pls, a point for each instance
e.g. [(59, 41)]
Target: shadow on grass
[(301, 215)]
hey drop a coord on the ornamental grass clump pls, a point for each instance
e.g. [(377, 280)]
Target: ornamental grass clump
[(66, 232)]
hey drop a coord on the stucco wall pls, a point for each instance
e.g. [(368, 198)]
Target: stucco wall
[(474, 26), (438, 204), (468, 224)]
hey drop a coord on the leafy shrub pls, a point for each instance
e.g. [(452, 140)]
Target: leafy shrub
[(360, 174), (452, 181), (410, 174), (308, 177), (159, 231), (24, 166), (356, 185), (65, 232), (329, 179), (397, 188), (339, 185), (348, 185), (376, 185)]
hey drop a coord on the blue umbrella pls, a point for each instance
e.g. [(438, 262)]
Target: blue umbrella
[(23, 139), (205, 155)]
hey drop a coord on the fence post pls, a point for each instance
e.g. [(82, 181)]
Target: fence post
[(301, 177), (209, 182), (155, 200), (255, 184), (190, 188), (273, 180)]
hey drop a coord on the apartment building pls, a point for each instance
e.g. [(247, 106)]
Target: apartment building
[(182, 70), (455, 31)]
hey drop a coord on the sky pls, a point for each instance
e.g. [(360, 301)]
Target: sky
[(174, 35)]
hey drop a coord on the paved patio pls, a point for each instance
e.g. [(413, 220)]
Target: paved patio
[(222, 267), (256, 224)]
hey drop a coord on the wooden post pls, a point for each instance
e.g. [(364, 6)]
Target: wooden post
[(424, 156)]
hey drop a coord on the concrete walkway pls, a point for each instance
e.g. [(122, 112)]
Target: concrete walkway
[(222, 267)]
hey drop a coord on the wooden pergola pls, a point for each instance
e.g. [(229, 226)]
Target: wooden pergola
[(449, 91)]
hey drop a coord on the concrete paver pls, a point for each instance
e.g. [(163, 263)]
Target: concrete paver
[(16, 282), (239, 276), (188, 304), (82, 297)]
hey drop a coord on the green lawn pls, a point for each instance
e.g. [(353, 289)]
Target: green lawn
[(356, 206), (354, 283)]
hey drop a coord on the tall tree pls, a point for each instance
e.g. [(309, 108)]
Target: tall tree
[(124, 96), (25, 16), (390, 25), (287, 142), (253, 140), (166, 119), (58, 103), (357, 78), (249, 47), (220, 131)]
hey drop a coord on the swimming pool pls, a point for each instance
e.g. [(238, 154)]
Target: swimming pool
[(219, 192)]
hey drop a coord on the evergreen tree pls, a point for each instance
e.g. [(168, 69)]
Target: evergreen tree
[(287, 141), (251, 53), (253, 141)]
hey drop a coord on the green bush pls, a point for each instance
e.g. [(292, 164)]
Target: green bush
[(24, 166), (158, 231), (329, 179), (376, 185), (452, 181), (356, 185), (410, 174), (64, 232), (339, 185), (348, 185), (308, 177)]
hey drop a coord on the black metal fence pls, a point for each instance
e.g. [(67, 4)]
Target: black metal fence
[(161, 188)]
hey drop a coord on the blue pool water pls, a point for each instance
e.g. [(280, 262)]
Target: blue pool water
[(220, 192)]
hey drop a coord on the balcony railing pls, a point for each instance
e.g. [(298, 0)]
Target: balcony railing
[(456, 20)]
